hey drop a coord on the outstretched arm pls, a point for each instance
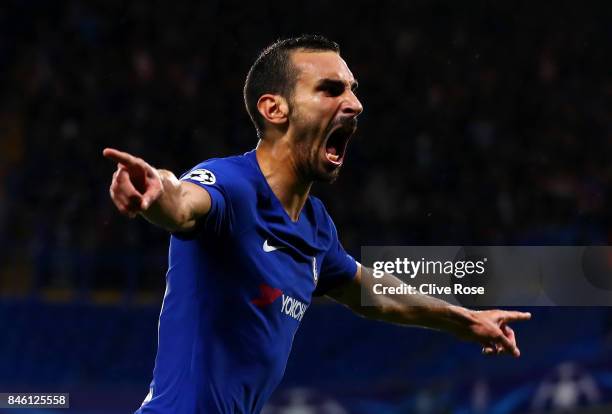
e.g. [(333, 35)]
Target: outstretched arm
[(157, 195), (489, 328)]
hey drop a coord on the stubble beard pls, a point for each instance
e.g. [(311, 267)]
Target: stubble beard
[(308, 156)]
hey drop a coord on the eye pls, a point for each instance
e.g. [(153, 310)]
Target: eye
[(332, 89), (335, 90)]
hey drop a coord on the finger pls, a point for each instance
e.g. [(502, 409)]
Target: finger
[(120, 205), (123, 179), (506, 345), (153, 190), (148, 197), (512, 316), (126, 197), (120, 201), (121, 157), (488, 350), (124, 208), (509, 332)]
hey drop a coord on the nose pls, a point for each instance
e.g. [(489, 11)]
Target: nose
[(351, 105)]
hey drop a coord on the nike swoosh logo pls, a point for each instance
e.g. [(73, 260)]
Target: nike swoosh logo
[(267, 248)]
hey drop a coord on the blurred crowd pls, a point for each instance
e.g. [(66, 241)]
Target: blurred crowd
[(484, 123)]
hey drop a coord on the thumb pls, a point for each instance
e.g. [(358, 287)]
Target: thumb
[(150, 196), (146, 202)]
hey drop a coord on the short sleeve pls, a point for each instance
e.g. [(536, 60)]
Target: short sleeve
[(337, 268), (209, 175)]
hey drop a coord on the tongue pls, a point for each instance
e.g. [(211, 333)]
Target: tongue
[(331, 150)]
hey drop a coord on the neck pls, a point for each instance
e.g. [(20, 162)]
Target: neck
[(277, 161)]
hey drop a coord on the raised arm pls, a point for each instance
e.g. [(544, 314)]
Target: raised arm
[(157, 195), (488, 328)]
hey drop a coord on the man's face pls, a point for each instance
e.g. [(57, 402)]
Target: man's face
[(323, 113)]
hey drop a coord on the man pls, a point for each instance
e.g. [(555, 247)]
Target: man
[(250, 247)]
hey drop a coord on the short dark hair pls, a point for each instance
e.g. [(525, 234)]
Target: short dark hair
[(272, 71)]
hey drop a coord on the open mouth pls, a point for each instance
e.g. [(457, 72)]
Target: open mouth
[(336, 143)]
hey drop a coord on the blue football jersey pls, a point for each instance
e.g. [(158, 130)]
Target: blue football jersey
[(236, 290)]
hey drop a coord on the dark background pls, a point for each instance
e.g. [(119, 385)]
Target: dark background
[(484, 123)]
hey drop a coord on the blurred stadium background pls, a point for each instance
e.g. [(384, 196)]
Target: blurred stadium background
[(484, 122)]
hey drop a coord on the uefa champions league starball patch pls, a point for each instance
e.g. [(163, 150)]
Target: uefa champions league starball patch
[(202, 176)]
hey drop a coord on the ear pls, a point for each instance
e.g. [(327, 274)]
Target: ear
[(273, 108)]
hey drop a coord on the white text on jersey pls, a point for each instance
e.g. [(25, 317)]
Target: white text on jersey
[(293, 307)]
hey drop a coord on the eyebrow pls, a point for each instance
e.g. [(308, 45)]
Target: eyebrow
[(329, 82)]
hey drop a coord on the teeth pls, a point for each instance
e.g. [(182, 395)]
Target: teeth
[(333, 157)]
